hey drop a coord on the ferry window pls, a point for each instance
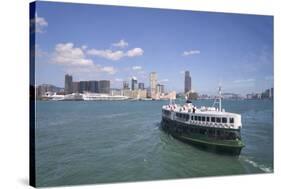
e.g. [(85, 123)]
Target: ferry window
[(213, 119), (199, 118), (231, 120), (191, 117), (208, 118), (196, 118), (218, 120), (203, 119), (187, 117), (224, 120)]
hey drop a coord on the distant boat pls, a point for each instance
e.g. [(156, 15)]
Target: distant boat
[(208, 127), (99, 96), (73, 97)]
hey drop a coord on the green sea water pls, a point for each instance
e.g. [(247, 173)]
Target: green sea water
[(121, 141)]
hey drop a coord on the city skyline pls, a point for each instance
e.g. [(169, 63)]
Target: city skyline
[(233, 50)]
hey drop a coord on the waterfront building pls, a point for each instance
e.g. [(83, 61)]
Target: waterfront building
[(93, 86), (153, 83), (134, 84), (187, 82), (126, 85), (116, 92), (135, 94), (104, 86), (68, 84), (142, 94), (75, 86), (160, 89), (141, 86), (83, 86), (168, 96)]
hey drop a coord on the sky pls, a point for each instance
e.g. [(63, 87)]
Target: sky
[(95, 42)]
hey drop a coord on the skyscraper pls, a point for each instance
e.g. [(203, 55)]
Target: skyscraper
[(83, 86), (93, 86), (187, 82), (125, 85), (160, 89), (134, 83), (104, 86), (75, 86), (141, 86), (68, 84), (153, 83)]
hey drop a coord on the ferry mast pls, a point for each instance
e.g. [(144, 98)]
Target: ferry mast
[(218, 100)]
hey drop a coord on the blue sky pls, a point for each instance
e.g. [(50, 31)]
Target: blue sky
[(116, 43)]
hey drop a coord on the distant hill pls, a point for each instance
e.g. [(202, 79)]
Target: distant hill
[(43, 88)]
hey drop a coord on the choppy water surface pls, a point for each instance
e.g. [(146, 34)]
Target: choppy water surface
[(99, 142)]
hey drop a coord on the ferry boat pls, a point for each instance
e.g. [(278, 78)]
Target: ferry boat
[(209, 127)]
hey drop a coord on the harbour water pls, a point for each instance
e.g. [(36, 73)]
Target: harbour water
[(88, 142)]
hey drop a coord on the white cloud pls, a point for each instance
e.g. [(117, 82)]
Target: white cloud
[(67, 54), (136, 68), (121, 44), (190, 52), (90, 69), (108, 54), (115, 55), (109, 69), (40, 23), (84, 47), (164, 80), (135, 52), (75, 61), (118, 79), (244, 80)]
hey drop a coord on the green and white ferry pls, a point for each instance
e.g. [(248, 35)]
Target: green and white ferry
[(210, 127)]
